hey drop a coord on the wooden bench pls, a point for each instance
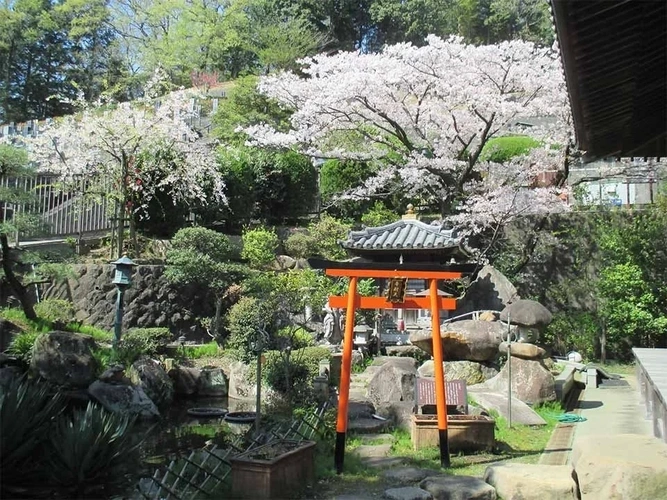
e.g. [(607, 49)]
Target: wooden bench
[(456, 394)]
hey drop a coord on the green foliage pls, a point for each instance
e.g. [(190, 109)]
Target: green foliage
[(201, 256), (325, 234), (503, 149), (91, 451), (291, 372), (138, 342), (378, 215), (57, 311), (22, 344), (97, 333), (27, 410), (338, 177), (245, 106), (259, 247), (268, 185), (202, 351), (573, 331), (299, 245), (244, 320), (630, 310), (295, 337)]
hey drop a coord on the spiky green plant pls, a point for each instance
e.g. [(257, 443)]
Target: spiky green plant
[(21, 345), (27, 411), (91, 451)]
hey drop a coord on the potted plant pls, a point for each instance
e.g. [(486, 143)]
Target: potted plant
[(274, 470)]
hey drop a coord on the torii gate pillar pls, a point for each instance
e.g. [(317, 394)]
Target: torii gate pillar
[(351, 302)]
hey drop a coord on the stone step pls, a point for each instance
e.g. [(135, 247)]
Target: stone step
[(377, 438), (367, 425)]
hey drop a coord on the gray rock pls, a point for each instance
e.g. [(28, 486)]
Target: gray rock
[(491, 290), (521, 412), (240, 386), (398, 412), (372, 450), (123, 399), (523, 350), (64, 358), (449, 487), (532, 383), (393, 381), (283, 263), (8, 374), (621, 467), (472, 372), (407, 493), (151, 300), (526, 312), (212, 382), (151, 377), (7, 332), (185, 380), (514, 481), (408, 475), (471, 340)]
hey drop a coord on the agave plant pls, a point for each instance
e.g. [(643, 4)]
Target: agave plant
[(27, 411), (91, 450)]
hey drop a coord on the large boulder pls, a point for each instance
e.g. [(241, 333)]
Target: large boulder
[(393, 381), (450, 487), (471, 340), (65, 358), (532, 382), (240, 384), (7, 332), (150, 376), (123, 399), (185, 380), (528, 313), (470, 371), (212, 382), (514, 481), (523, 350), (621, 467), (491, 290)]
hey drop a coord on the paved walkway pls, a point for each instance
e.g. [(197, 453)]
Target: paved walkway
[(608, 410)]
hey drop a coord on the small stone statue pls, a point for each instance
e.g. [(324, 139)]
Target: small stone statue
[(332, 326)]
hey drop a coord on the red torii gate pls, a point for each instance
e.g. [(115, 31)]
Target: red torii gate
[(352, 301)]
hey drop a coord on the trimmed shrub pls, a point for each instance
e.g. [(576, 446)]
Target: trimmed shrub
[(139, 342), (58, 311)]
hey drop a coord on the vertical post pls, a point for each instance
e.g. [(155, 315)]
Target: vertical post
[(258, 401), (344, 386), (438, 358), (509, 372), (118, 323)]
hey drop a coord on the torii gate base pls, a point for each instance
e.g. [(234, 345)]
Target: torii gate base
[(351, 302)]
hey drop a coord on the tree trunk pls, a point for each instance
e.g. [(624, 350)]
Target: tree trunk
[(218, 317), (603, 344), (14, 283)]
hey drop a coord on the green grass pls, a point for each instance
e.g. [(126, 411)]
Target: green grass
[(211, 349), (520, 443)]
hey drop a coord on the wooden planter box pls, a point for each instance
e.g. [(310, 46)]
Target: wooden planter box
[(465, 433), (274, 470)]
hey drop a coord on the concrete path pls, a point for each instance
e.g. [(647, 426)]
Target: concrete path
[(608, 410)]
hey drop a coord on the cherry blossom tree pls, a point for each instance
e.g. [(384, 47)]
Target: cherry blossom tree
[(130, 151), (421, 116)]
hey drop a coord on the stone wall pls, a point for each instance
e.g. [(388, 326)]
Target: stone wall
[(150, 302)]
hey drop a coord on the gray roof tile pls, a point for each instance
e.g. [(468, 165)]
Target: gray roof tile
[(407, 233)]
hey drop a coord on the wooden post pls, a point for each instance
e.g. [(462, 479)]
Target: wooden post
[(439, 373), (344, 386)]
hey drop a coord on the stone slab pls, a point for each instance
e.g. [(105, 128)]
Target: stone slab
[(521, 412), (407, 493), (514, 481)]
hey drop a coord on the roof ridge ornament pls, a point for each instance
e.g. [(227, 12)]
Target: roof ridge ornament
[(410, 213)]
